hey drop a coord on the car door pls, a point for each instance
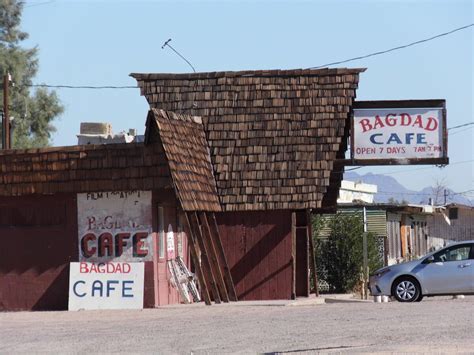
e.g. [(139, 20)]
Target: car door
[(450, 271)]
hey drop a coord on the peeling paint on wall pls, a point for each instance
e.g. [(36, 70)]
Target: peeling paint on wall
[(115, 226)]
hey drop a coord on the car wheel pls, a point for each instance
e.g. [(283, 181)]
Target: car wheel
[(419, 299), (406, 289)]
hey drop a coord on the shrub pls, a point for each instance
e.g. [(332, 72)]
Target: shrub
[(339, 258)]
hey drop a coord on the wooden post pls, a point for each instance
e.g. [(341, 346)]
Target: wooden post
[(212, 255), (312, 258), (222, 258), (197, 264), (293, 255), (205, 258)]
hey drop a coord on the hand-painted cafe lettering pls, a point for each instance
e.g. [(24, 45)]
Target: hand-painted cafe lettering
[(115, 226), (106, 285), (398, 133)]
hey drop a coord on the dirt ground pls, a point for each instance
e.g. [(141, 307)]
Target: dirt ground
[(440, 325)]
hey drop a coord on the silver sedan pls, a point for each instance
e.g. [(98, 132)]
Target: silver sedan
[(448, 271)]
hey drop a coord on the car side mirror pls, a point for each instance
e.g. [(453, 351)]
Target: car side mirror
[(429, 259)]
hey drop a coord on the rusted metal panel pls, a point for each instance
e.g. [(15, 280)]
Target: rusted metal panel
[(37, 248), (257, 246)]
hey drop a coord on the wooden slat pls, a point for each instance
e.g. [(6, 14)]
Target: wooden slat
[(312, 258), (293, 255), (212, 255), (197, 264), (222, 258), (209, 276)]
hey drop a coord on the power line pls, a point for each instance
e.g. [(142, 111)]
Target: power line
[(462, 130), (80, 86), (395, 48), (420, 193), (462, 125), (317, 67), (38, 4), (409, 170)]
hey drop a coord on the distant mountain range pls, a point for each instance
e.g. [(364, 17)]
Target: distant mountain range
[(390, 190)]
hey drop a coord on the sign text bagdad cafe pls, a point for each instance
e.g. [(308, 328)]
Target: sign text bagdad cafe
[(115, 226), (114, 231), (106, 285), (399, 134)]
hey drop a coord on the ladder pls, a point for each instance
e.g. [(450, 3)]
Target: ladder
[(183, 280)]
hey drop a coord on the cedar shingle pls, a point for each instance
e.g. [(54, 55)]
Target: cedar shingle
[(289, 122), (187, 152), (77, 169)]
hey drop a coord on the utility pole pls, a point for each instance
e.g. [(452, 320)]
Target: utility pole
[(6, 117), (365, 256)]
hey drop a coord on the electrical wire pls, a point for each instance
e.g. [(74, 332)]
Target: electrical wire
[(461, 125), (38, 4), (80, 87), (410, 170), (462, 130), (394, 48), (320, 66)]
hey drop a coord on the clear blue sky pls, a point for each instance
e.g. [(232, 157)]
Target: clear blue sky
[(101, 42)]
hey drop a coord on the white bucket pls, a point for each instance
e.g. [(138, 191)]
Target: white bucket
[(377, 299), (384, 299)]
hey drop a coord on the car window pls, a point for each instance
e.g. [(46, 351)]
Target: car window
[(455, 253)]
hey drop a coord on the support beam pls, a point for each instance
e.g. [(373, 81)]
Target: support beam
[(212, 256), (194, 254), (293, 255), (209, 276), (312, 258), (222, 258)]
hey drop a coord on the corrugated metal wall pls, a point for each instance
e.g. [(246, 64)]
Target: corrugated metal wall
[(393, 236), (258, 249), (376, 221)]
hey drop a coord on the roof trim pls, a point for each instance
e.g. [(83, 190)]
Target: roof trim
[(249, 73)]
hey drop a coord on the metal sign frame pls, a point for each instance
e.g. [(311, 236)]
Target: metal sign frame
[(398, 104)]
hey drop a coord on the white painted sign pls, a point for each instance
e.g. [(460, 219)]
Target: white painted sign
[(106, 285), (115, 226), (411, 133)]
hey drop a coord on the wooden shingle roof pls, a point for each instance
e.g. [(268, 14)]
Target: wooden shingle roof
[(187, 152), (273, 135), (88, 168)]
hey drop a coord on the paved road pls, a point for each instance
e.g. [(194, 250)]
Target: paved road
[(434, 325)]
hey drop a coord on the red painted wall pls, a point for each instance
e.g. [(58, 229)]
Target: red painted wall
[(38, 236), (258, 249)]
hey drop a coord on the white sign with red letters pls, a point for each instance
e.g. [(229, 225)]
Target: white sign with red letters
[(401, 133), (115, 226), (106, 286)]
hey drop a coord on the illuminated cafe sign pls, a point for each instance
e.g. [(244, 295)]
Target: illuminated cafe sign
[(399, 132)]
